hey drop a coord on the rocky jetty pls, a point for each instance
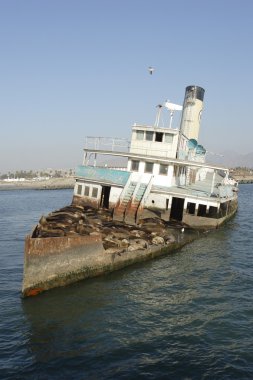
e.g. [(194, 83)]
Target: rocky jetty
[(49, 184)]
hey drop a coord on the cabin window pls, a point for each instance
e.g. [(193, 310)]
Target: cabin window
[(79, 189), (202, 210), (159, 136), (94, 192), (149, 136), (135, 166), (149, 167), (163, 169), (139, 135), (191, 208), (168, 138), (86, 191)]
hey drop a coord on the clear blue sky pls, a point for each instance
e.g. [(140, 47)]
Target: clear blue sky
[(71, 68)]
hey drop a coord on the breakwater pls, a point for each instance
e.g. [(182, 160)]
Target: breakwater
[(243, 178), (49, 184)]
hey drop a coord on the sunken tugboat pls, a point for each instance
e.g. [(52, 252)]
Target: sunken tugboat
[(159, 201)]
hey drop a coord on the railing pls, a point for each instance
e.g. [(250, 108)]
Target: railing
[(107, 143)]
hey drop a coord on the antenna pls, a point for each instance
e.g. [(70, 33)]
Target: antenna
[(157, 119)]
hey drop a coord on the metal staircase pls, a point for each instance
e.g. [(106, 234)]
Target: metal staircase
[(132, 200), (120, 209), (132, 208)]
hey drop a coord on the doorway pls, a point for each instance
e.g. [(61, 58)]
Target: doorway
[(105, 195), (177, 209)]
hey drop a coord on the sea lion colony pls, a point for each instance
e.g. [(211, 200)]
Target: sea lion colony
[(116, 236)]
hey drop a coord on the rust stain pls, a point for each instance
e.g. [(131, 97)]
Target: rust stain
[(47, 246), (34, 292)]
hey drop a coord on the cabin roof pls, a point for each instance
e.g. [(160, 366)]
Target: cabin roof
[(155, 159)]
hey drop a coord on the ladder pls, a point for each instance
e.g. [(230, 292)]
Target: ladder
[(120, 209)]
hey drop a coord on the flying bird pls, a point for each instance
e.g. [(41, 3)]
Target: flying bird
[(151, 69)]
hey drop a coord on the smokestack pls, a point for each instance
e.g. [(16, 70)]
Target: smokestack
[(191, 114)]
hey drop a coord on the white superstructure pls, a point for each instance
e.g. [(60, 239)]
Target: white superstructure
[(165, 173)]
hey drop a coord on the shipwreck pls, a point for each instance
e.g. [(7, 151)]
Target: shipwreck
[(159, 200)]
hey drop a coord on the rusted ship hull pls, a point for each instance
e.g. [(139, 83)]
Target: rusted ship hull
[(94, 245), (58, 261)]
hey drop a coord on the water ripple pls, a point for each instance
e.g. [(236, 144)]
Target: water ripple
[(184, 316)]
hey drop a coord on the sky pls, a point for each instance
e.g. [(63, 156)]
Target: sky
[(76, 68)]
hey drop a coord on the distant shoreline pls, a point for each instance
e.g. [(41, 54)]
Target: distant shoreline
[(49, 184), (69, 182)]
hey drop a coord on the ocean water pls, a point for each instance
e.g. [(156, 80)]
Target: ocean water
[(188, 315)]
